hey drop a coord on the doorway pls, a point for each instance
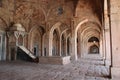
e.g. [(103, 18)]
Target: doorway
[(36, 50)]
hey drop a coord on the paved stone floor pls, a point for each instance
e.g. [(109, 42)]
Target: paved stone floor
[(79, 70)]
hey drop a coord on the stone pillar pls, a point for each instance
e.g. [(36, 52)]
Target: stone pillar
[(48, 45), (107, 35), (74, 46), (115, 36), (66, 46), (103, 46), (7, 47), (60, 47), (43, 46), (63, 47), (79, 47), (16, 34), (107, 47), (12, 46)]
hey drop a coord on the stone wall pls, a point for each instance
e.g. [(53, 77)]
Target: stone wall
[(41, 18), (115, 29)]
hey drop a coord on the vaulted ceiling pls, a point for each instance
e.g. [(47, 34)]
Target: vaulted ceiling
[(97, 6)]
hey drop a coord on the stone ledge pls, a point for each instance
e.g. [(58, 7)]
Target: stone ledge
[(55, 60)]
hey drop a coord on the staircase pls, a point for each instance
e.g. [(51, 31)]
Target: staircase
[(24, 54)]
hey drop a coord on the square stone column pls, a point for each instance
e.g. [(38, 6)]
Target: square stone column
[(66, 46), (115, 36), (107, 35), (74, 47), (60, 47)]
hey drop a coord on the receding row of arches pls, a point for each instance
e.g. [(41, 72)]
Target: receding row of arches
[(60, 43), (88, 41), (83, 41)]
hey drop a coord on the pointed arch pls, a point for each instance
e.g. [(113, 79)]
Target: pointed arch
[(74, 35), (35, 40), (54, 27)]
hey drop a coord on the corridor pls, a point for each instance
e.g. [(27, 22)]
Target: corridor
[(83, 69)]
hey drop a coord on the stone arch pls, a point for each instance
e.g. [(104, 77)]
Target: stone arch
[(88, 21), (55, 43), (63, 32), (94, 42), (88, 28), (97, 28), (91, 35), (62, 41), (84, 41), (54, 27), (89, 32), (35, 40), (85, 35), (92, 27), (40, 28), (74, 49), (93, 39), (74, 42)]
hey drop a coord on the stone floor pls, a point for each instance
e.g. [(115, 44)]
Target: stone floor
[(79, 70)]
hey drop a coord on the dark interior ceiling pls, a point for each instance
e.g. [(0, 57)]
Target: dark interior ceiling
[(98, 8)]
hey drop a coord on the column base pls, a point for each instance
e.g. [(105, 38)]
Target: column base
[(74, 58), (115, 73)]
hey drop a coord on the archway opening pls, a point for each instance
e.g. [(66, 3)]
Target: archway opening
[(93, 39), (63, 46), (94, 50), (35, 39), (55, 44), (68, 46), (93, 45)]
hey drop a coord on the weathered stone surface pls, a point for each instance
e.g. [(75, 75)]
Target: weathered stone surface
[(55, 60), (79, 70), (63, 28)]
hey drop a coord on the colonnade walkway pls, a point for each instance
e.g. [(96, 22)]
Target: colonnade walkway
[(83, 69)]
